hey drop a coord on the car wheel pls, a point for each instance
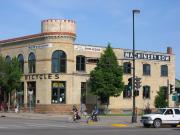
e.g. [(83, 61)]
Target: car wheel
[(147, 125), (157, 123)]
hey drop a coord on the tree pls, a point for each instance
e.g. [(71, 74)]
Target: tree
[(10, 80), (107, 78), (160, 100), (2, 70)]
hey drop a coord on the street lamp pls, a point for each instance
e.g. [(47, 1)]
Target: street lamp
[(134, 115)]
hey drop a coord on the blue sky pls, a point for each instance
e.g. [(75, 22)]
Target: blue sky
[(100, 21)]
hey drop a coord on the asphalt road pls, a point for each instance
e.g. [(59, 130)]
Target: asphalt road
[(14, 126)]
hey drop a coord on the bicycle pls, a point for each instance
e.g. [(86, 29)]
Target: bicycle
[(92, 118)]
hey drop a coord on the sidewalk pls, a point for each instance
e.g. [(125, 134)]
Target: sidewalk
[(113, 121)]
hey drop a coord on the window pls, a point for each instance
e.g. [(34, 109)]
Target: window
[(92, 60), (20, 95), (165, 90), (164, 70), (80, 63), (31, 99), (21, 62), (127, 67), (8, 59), (177, 111), (58, 62), (32, 63), (169, 112), (58, 92), (146, 69), (146, 92), (127, 93)]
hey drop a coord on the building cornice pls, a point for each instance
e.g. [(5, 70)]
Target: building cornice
[(35, 36)]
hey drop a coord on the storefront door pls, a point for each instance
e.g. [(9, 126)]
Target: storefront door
[(31, 95)]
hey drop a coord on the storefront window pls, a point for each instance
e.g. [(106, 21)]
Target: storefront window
[(127, 93), (146, 92), (165, 90), (80, 63), (20, 95), (58, 92), (83, 92), (32, 63), (58, 62), (31, 92), (21, 62)]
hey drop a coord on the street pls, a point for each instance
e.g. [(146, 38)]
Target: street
[(20, 126)]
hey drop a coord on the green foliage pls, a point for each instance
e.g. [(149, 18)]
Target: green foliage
[(2, 70), (107, 78), (10, 74), (160, 101)]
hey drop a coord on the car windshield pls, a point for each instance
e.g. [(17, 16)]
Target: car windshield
[(159, 111)]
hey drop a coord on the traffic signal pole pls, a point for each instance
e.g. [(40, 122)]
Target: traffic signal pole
[(134, 119), (134, 115), (168, 92)]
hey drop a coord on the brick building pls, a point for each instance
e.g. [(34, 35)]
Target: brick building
[(55, 70)]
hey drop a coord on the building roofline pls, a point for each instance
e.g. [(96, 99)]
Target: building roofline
[(35, 36), (124, 49)]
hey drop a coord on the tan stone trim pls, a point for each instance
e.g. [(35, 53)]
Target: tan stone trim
[(22, 46), (36, 36), (48, 60)]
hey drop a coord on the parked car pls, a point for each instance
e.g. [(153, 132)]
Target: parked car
[(170, 116)]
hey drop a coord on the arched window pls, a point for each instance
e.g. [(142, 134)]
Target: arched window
[(127, 67), (146, 91), (146, 69), (32, 63), (164, 70), (21, 62), (80, 63), (58, 62), (8, 59)]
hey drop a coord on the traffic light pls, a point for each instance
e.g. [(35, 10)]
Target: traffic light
[(136, 93), (171, 88), (137, 82), (130, 83)]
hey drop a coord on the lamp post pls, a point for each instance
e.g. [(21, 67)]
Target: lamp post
[(134, 115)]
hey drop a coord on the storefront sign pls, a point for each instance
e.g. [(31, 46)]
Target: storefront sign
[(41, 76), (147, 56), (40, 46), (87, 48)]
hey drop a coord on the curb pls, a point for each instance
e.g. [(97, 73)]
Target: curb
[(119, 125)]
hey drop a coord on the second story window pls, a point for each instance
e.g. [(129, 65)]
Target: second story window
[(21, 62), (146, 69), (80, 63), (164, 70), (146, 91), (127, 68), (32, 63), (58, 62)]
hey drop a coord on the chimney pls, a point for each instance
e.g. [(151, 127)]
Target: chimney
[(169, 50)]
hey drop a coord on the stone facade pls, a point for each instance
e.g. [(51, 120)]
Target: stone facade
[(60, 35)]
